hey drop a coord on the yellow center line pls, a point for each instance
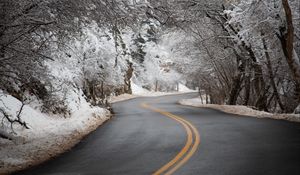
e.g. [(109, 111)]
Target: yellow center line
[(178, 158), (183, 150), (190, 153)]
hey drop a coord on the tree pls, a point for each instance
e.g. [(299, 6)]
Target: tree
[(286, 37)]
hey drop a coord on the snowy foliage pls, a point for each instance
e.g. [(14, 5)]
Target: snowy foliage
[(154, 59), (57, 55), (237, 52), (262, 26)]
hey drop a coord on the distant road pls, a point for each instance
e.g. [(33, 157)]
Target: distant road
[(157, 136)]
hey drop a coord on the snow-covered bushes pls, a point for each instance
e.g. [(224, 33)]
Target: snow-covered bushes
[(92, 62), (48, 135), (153, 58), (54, 51)]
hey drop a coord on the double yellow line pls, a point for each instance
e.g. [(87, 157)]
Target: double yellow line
[(190, 147)]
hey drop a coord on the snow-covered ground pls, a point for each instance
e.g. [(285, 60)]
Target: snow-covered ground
[(48, 135), (240, 110), (122, 97), (138, 91)]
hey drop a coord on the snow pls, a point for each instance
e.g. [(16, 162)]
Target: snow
[(183, 88), (240, 110), (158, 68), (48, 135), (138, 91), (122, 97), (193, 101)]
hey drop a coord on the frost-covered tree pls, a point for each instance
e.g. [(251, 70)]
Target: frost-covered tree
[(51, 49), (267, 28), (248, 49)]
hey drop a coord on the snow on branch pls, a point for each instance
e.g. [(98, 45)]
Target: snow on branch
[(12, 120)]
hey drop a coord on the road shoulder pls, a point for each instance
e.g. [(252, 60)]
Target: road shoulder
[(239, 110), (31, 152)]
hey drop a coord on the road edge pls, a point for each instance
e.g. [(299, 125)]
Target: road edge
[(230, 109), (68, 141)]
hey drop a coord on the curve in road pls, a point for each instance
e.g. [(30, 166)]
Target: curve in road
[(187, 151), (140, 141)]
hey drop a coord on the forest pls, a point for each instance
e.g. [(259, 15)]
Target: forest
[(62, 62), (235, 52)]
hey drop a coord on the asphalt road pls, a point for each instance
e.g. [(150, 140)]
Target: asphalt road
[(139, 140)]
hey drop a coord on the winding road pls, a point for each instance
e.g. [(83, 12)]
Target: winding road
[(154, 135)]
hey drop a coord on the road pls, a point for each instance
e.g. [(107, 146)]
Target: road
[(147, 134)]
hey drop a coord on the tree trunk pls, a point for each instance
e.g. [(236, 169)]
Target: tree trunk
[(237, 81), (259, 83), (102, 90), (200, 96), (127, 78), (287, 41), (207, 101), (247, 89), (272, 77)]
